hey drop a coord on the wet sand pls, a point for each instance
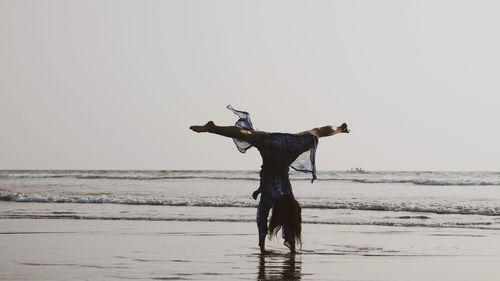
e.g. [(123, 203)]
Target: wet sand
[(44, 249)]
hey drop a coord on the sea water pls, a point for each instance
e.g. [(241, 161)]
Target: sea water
[(435, 199)]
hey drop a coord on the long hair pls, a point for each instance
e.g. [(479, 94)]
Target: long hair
[(287, 214)]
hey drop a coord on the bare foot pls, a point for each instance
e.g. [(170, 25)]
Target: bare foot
[(343, 128), (202, 129)]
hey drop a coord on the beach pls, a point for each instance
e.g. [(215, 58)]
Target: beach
[(143, 140), (200, 225), (55, 249)]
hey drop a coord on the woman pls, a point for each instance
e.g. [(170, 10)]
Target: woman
[(279, 151)]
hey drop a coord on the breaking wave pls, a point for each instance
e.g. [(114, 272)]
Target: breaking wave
[(415, 178), (367, 205)]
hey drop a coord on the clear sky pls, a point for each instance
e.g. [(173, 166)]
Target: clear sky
[(116, 84)]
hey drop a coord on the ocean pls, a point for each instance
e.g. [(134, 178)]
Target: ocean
[(435, 199)]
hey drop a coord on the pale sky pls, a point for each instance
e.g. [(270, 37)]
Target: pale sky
[(116, 84)]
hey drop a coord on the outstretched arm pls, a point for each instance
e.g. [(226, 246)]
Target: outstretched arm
[(327, 131), (226, 131)]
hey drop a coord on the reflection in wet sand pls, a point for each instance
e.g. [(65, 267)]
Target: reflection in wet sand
[(279, 267)]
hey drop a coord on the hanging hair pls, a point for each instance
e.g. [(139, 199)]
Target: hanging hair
[(287, 214)]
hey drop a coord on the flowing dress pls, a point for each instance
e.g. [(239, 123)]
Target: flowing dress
[(279, 152)]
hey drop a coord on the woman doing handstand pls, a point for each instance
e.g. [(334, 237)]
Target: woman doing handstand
[(279, 152)]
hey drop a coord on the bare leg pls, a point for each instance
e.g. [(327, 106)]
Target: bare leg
[(226, 131)]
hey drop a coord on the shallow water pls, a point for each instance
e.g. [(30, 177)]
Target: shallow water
[(58, 249)]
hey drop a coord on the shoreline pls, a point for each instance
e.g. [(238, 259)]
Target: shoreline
[(99, 211), (436, 226)]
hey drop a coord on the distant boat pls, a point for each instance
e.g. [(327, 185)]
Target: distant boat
[(356, 171)]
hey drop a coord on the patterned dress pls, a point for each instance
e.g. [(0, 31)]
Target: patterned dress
[(279, 152)]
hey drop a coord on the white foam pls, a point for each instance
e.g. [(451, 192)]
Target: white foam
[(369, 205)]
